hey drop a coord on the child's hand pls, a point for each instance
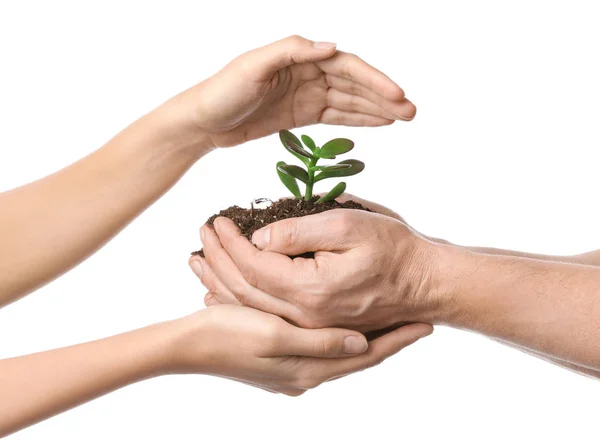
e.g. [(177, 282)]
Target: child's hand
[(265, 351), (290, 83)]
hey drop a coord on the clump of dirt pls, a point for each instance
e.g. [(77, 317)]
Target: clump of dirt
[(252, 219)]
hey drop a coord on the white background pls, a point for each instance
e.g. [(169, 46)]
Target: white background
[(502, 153)]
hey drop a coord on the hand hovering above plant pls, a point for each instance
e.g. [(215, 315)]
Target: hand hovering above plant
[(290, 174), (290, 83)]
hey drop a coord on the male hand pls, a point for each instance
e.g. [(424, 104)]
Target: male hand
[(370, 271), (290, 83)]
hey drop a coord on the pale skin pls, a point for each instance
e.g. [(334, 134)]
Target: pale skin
[(290, 83), (373, 271)]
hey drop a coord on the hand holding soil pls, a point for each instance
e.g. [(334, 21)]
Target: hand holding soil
[(267, 352), (355, 280)]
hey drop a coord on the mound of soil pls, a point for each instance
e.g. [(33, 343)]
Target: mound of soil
[(251, 220)]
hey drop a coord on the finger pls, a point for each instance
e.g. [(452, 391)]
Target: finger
[(323, 343), (327, 231), (375, 207), (208, 278), (356, 104), (210, 299), (402, 109), (333, 116), (267, 271), (228, 272), (379, 350), (291, 50), (351, 67)]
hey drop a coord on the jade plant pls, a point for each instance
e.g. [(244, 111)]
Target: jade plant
[(290, 174)]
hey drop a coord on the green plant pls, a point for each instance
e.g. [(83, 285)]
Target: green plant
[(290, 174)]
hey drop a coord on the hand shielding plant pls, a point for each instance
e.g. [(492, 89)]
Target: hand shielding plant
[(290, 174)]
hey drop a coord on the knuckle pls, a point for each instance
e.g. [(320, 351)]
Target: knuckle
[(323, 346), (342, 222), (307, 383), (272, 330), (375, 361), (295, 40), (244, 63), (249, 274), (287, 234), (242, 297), (294, 392)]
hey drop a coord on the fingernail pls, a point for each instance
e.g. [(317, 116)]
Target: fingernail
[(323, 45), (196, 268), (261, 238), (216, 224), (355, 345)]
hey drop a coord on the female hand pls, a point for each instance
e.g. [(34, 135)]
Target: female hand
[(290, 83), (265, 351)]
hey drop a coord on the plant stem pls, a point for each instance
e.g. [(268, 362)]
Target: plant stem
[(311, 179)]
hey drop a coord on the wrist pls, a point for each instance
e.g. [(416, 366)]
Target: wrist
[(154, 349), (185, 345), (173, 129), (447, 267)]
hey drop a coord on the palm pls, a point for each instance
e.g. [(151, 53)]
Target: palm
[(341, 89), (293, 97)]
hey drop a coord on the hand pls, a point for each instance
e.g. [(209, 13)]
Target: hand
[(291, 83), (265, 351), (370, 271)]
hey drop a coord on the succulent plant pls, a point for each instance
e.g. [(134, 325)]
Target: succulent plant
[(309, 156)]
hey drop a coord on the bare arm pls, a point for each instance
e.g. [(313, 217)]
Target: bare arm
[(546, 307), (589, 258), (228, 341), (50, 225), (37, 386)]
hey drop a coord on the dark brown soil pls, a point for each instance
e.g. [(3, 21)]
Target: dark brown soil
[(252, 219)]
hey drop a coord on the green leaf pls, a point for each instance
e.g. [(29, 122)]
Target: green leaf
[(326, 156), (336, 146), (339, 166), (293, 171), (356, 166), (289, 181), (294, 146), (337, 191), (309, 142)]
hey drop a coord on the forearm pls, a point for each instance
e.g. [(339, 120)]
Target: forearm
[(588, 258), (48, 226), (559, 362), (548, 307), (38, 386)]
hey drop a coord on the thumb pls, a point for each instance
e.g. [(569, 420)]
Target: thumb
[(288, 51), (325, 343), (326, 231)]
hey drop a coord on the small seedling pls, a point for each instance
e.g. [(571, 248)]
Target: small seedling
[(290, 174)]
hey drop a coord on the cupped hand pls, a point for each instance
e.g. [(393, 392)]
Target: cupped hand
[(265, 351), (291, 83), (370, 271)]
